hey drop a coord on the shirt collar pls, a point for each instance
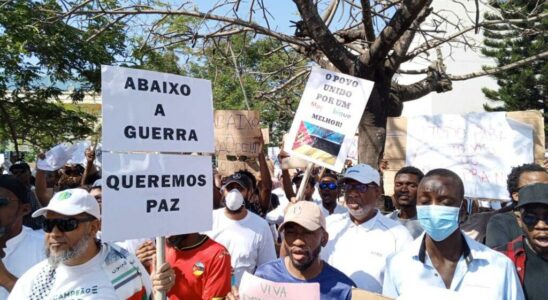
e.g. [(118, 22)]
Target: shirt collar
[(467, 252), (369, 224)]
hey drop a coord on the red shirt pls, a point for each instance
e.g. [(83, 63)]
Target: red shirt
[(201, 272)]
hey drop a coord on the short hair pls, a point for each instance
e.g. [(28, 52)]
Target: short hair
[(330, 174), (410, 170), (251, 180), (448, 174), (12, 184), (515, 174)]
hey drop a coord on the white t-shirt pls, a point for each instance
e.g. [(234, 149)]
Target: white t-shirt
[(249, 241), (86, 281), (23, 251), (360, 251), (339, 209)]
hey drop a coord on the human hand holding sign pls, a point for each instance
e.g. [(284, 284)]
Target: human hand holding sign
[(163, 279)]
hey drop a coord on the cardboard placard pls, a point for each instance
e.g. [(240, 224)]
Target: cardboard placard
[(237, 133), (253, 287), (227, 167)]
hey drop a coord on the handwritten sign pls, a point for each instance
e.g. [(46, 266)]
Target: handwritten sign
[(255, 288), (327, 118), (227, 167), (237, 133), (152, 111), (481, 148)]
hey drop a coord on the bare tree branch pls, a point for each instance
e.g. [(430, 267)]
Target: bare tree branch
[(367, 18)]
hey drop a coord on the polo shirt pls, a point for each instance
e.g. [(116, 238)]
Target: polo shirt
[(339, 209), (23, 251), (481, 273), (360, 251), (413, 225)]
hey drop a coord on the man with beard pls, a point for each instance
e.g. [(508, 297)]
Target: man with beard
[(329, 192), (360, 241), (406, 183), (246, 236), (20, 247), (78, 265), (529, 252), (304, 235), (196, 267), (444, 260)]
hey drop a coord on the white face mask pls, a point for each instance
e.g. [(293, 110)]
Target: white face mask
[(234, 200)]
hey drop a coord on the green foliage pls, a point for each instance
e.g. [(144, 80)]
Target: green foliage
[(40, 55), (525, 87)]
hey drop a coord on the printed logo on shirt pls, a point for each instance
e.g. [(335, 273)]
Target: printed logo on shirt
[(198, 269), (77, 293)]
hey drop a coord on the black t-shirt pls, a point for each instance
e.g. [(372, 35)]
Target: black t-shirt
[(536, 273), (502, 229)]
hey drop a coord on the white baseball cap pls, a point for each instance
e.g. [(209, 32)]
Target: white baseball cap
[(71, 202), (362, 173)]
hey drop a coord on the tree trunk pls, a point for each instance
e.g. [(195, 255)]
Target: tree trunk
[(13, 133), (372, 130)]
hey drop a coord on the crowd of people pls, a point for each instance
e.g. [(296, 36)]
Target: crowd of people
[(436, 243)]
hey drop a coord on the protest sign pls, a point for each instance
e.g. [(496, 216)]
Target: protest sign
[(266, 135), (152, 111), (227, 167), (255, 288), (237, 133), (328, 115), (155, 194), (480, 147)]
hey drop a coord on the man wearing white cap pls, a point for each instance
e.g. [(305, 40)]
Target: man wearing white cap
[(360, 241), (78, 266), (304, 235)]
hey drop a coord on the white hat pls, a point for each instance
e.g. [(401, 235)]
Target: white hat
[(362, 173), (71, 202)]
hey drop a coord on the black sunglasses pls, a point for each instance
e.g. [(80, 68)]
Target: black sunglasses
[(237, 158), (361, 187), (531, 220), (328, 185), (64, 225)]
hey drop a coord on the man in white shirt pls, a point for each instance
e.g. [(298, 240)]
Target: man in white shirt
[(244, 234), (445, 258), (20, 247), (360, 241), (78, 265), (329, 193)]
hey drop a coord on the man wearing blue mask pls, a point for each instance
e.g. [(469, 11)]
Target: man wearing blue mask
[(444, 261)]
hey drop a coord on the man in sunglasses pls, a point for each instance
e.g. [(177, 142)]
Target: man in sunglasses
[(20, 246), (529, 252), (329, 192), (77, 264), (360, 241)]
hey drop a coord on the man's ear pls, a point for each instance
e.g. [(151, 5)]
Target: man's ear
[(325, 238), (95, 226), (25, 208)]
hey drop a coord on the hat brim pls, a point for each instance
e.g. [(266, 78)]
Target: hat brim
[(66, 212), (233, 181), (306, 224), (351, 176), (525, 203)]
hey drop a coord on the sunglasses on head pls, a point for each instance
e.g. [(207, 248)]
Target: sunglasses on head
[(64, 225), (328, 186), (531, 220), (360, 187)]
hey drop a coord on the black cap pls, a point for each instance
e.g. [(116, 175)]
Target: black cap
[(533, 194), (20, 165), (12, 184), (238, 178)]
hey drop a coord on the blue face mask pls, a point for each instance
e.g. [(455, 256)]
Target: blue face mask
[(438, 221)]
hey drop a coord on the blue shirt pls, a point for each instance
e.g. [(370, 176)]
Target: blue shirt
[(481, 273), (334, 285)]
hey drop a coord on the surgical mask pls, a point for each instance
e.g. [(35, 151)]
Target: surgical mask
[(438, 221), (234, 200)]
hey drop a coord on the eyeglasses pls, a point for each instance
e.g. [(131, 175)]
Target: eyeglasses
[(531, 220), (362, 188), (328, 185), (64, 225), (237, 158)]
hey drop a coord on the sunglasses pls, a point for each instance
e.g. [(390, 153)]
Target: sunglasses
[(360, 187), (328, 186), (531, 220), (237, 158), (64, 225)]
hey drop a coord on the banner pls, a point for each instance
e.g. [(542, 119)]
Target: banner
[(152, 111), (252, 288), (481, 148), (327, 118), (237, 133), (155, 194)]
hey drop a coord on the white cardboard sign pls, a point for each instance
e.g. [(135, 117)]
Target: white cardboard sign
[(256, 288), (152, 111), (327, 118), (150, 195), (481, 148)]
